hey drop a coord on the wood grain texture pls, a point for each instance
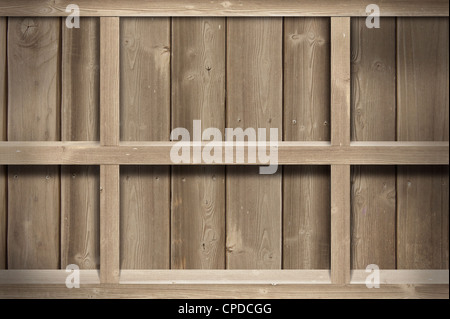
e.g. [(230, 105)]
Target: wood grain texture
[(80, 122), (145, 79), (227, 291), (33, 115), (307, 79), (145, 116), (198, 93), (289, 153), (3, 121), (340, 224), (223, 8), (109, 224), (144, 217), (373, 118), (423, 72), (340, 137), (306, 219), (422, 217), (306, 189), (254, 99), (226, 276), (423, 106), (109, 136), (109, 81), (340, 81)]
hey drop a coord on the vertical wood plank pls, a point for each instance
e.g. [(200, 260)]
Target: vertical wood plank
[(198, 93), (373, 108), (422, 217), (109, 224), (33, 115), (340, 81), (3, 106), (80, 120), (254, 99), (145, 116), (423, 115), (340, 224), (340, 135), (306, 189), (109, 135), (109, 81), (423, 101), (306, 79)]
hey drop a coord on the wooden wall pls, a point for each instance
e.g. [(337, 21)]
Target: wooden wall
[(226, 72), (400, 92)]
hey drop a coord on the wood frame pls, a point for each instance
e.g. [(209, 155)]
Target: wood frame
[(206, 8), (289, 153), (110, 154)]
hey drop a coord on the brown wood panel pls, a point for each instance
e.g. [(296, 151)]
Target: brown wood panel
[(306, 189), (373, 118), (3, 121), (423, 115), (422, 217), (423, 100), (254, 99), (80, 120), (307, 79), (33, 115), (198, 93), (145, 116)]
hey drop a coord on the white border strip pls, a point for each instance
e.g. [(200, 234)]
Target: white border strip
[(19, 277), (202, 276), (397, 276)]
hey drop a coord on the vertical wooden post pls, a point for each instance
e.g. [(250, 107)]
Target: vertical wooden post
[(340, 136), (109, 136)]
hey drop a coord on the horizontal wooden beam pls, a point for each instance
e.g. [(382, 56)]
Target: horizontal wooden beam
[(328, 8), (204, 276), (227, 291), (289, 153), (225, 277)]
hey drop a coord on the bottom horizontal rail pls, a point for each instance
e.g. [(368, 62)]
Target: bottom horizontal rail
[(273, 277), (227, 291), (225, 277)]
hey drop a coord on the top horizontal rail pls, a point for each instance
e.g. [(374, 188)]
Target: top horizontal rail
[(130, 8)]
